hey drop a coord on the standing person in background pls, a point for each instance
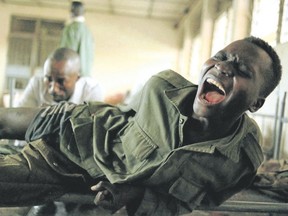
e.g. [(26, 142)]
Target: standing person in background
[(78, 37)]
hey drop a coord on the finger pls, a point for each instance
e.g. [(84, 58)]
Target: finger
[(102, 185), (98, 187), (106, 192), (100, 196), (103, 201), (106, 204), (108, 186)]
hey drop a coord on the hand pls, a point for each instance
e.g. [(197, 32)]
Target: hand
[(115, 196)]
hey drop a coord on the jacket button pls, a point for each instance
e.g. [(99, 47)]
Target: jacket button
[(55, 164), (181, 121)]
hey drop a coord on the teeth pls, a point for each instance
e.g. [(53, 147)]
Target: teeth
[(218, 85)]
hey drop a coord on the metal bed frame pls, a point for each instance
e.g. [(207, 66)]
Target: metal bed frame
[(246, 201)]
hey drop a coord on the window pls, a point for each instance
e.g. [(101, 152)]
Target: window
[(222, 30), (31, 40), (195, 66), (284, 28), (265, 20)]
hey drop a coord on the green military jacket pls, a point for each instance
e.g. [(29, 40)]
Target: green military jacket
[(144, 143)]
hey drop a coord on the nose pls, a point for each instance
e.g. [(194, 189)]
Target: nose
[(226, 68)]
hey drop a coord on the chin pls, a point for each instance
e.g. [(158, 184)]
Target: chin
[(201, 111), (204, 110), (203, 114), (58, 100)]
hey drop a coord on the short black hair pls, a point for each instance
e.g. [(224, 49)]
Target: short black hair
[(77, 8), (63, 53), (66, 54), (273, 76)]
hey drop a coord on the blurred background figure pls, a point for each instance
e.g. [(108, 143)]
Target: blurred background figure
[(78, 37), (61, 81)]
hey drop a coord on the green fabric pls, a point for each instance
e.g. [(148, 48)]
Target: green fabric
[(78, 37), (144, 143), (6, 149), (27, 178)]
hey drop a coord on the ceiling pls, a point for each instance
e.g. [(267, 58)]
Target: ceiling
[(172, 10)]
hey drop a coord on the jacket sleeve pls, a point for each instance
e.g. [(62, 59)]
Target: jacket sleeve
[(216, 198), (70, 37), (179, 196), (156, 204)]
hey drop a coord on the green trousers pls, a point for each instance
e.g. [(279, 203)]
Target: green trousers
[(27, 178)]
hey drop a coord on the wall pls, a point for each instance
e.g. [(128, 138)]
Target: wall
[(5, 20), (125, 47), (282, 51)]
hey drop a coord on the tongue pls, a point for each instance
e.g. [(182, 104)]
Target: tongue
[(214, 97)]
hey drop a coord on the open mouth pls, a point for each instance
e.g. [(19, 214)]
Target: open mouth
[(213, 92)]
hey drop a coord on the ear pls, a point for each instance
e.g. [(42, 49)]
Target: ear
[(257, 105)]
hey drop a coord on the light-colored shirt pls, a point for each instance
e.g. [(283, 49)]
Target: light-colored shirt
[(36, 93)]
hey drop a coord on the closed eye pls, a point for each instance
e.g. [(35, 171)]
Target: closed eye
[(244, 71)]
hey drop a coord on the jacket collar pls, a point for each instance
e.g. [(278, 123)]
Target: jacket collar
[(78, 19), (246, 134)]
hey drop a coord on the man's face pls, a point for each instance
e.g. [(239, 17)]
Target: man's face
[(231, 82), (61, 79), (73, 11)]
